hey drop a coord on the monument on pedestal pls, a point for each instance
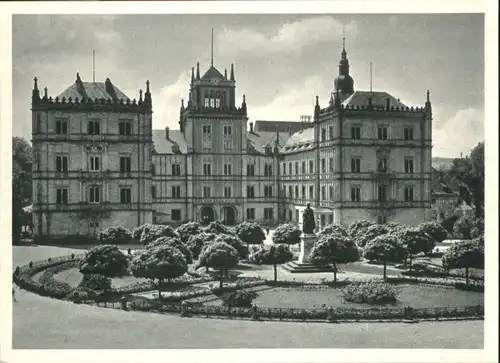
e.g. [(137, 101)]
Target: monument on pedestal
[(308, 239)]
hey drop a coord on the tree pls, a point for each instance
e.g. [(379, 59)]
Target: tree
[(104, 260), (463, 227), (250, 233), (137, 232), (465, 254), (196, 242), (220, 256), (272, 255), (218, 228), (384, 248), (334, 249), (187, 230), (173, 242), (287, 233), (415, 241), (156, 231), (159, 263), (359, 227), (235, 242), (371, 233), (333, 229), (435, 230), (22, 159), (116, 236), (478, 229)]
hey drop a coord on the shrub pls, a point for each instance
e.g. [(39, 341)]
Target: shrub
[(478, 229), (272, 255), (371, 233), (250, 233), (333, 229), (287, 233), (159, 263), (186, 230), (384, 248), (359, 227), (82, 294), (137, 232), (465, 254), (173, 242), (95, 282), (219, 256), (241, 298), (104, 260), (116, 236), (435, 230), (415, 241), (197, 242), (463, 227), (235, 242), (156, 231), (218, 228), (370, 292)]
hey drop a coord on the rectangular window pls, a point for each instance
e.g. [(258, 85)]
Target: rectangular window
[(323, 134), (283, 167), (290, 168), (382, 165), (268, 170), (382, 193), (311, 167), (61, 127), (330, 132), (61, 163), (227, 130), (332, 165), (304, 196), (206, 192), (207, 130), (250, 169), (176, 169), (227, 192), (125, 128), (409, 194), (125, 164), (95, 194), (153, 192), (311, 192), (356, 132), (323, 165), (95, 163), (207, 169), (323, 193), (153, 169), (290, 191), (250, 192), (330, 219), (408, 133), (355, 194), (268, 191), (94, 127), (297, 192), (125, 195), (207, 102), (268, 214), (382, 133), (408, 166), (228, 145), (175, 214), (62, 196), (356, 165), (330, 192), (228, 169), (303, 167), (296, 168), (176, 191), (250, 213)]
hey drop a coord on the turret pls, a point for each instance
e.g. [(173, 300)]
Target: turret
[(147, 94), (36, 93), (344, 82), (197, 70), (232, 72), (316, 110)]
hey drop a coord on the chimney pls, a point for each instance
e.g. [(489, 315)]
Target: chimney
[(461, 155), (387, 103), (167, 133), (251, 127), (110, 90)]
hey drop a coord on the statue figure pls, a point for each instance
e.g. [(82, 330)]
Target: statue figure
[(308, 223)]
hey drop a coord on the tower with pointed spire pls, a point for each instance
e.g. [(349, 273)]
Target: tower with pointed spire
[(344, 84)]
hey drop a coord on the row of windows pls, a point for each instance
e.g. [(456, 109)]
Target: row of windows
[(207, 191), (94, 163), (382, 166), (176, 214), (94, 195), (355, 193), (382, 133), (207, 130), (94, 127)]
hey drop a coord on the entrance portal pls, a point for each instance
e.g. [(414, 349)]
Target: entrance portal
[(207, 214), (228, 216)]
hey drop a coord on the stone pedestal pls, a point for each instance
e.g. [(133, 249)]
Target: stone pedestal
[(306, 244), (303, 264)]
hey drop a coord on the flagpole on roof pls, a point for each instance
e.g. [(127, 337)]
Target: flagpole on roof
[(371, 77), (93, 66)]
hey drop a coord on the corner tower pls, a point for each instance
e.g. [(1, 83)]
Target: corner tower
[(344, 84)]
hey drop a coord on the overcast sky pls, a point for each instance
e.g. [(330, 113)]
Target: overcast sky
[(281, 62)]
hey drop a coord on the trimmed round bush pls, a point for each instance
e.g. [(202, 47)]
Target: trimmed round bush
[(370, 292), (385, 248), (219, 256), (235, 242), (104, 260), (435, 230), (463, 227), (218, 228), (371, 233), (95, 282), (173, 242), (271, 255), (359, 227), (250, 233), (287, 233), (137, 232), (197, 242), (240, 298), (186, 230), (116, 236), (465, 254), (333, 229), (156, 231)]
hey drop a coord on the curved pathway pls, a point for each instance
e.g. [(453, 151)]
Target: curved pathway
[(44, 323)]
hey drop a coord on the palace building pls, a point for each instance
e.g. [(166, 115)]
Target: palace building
[(98, 162)]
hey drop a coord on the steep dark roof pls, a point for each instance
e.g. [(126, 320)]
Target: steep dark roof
[(280, 126), (360, 98), (259, 140), (213, 73), (438, 187), (93, 90), (164, 146), (301, 137)]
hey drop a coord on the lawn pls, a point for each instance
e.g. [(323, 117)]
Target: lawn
[(417, 296)]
